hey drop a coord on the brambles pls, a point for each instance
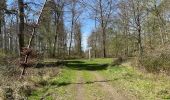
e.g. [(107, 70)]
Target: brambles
[(7, 93), (156, 61), (26, 51), (25, 90), (119, 60), (33, 57)]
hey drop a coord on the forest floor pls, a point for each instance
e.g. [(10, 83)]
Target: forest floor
[(98, 80)]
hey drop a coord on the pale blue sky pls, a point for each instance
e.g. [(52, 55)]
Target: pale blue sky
[(88, 26)]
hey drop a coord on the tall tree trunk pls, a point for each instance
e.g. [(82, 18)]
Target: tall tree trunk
[(71, 35), (104, 42), (0, 22), (139, 36), (103, 26), (5, 36), (21, 24), (55, 38), (1, 33), (2, 7)]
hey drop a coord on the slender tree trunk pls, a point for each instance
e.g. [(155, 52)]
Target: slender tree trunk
[(103, 30), (126, 41), (1, 17), (104, 43), (56, 35), (71, 35), (2, 3), (72, 26), (139, 36), (1, 36), (5, 37), (0, 23)]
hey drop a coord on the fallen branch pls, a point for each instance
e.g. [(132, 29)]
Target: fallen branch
[(27, 55), (24, 64)]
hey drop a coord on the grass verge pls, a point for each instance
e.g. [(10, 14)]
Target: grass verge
[(59, 87), (144, 86)]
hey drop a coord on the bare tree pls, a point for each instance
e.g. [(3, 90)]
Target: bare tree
[(58, 10), (73, 11), (103, 10), (76, 11), (138, 11)]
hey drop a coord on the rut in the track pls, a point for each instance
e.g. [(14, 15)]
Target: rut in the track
[(79, 87), (112, 92)]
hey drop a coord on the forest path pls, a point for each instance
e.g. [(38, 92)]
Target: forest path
[(82, 80), (91, 85), (80, 87), (97, 80)]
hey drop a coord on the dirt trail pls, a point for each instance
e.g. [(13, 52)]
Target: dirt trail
[(79, 87), (112, 92)]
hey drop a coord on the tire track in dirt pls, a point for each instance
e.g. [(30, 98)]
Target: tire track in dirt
[(112, 92), (79, 87)]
